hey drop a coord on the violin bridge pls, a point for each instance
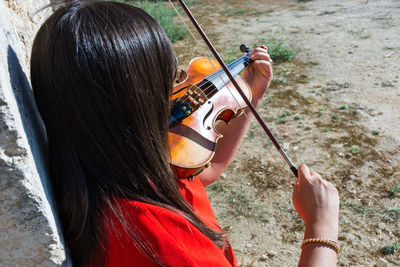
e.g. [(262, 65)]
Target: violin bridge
[(194, 97)]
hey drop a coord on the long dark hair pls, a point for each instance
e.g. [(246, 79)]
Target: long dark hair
[(101, 75)]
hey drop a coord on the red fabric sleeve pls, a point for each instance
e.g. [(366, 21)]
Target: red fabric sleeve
[(176, 241)]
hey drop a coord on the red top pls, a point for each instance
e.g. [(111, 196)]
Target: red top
[(176, 241)]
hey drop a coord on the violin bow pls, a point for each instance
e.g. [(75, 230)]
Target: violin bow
[(247, 101)]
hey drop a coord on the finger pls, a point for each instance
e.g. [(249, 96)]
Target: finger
[(262, 48), (261, 56), (263, 64), (304, 173)]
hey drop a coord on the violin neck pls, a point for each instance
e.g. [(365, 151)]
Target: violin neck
[(219, 78)]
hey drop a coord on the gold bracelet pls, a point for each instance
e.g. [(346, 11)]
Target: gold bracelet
[(330, 243)]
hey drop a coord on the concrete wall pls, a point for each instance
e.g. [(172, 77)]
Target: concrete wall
[(28, 228)]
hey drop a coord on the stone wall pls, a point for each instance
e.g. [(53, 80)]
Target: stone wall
[(28, 228)]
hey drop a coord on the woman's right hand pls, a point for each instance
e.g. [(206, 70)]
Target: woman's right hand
[(317, 203)]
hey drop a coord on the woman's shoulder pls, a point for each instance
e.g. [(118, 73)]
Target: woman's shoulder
[(176, 240), (142, 214)]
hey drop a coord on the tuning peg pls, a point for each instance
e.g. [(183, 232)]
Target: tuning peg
[(244, 48)]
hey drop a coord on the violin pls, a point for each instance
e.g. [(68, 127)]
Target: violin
[(203, 96), (187, 138)]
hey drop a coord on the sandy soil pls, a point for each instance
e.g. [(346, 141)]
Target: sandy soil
[(334, 107)]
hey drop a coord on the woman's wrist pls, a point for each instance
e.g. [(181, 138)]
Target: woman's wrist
[(328, 231)]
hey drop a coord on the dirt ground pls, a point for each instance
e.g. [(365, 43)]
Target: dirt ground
[(335, 106)]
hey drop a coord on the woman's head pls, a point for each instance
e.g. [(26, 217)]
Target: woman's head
[(101, 75)]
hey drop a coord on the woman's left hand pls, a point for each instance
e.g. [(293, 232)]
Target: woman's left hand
[(258, 74)]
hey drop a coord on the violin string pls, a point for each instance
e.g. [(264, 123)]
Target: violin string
[(210, 86), (197, 43), (218, 72), (260, 136)]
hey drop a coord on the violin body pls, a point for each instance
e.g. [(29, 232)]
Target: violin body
[(205, 101)]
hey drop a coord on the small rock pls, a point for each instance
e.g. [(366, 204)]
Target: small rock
[(348, 155), (351, 239), (340, 84), (271, 254), (352, 177), (382, 263), (249, 245), (263, 257), (386, 84), (295, 148), (382, 226), (331, 88), (286, 146), (340, 154)]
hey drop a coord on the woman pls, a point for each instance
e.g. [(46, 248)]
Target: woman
[(102, 73)]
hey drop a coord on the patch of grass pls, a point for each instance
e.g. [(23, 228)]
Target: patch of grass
[(296, 118), (241, 205), (335, 117), (216, 187), (234, 12), (388, 250), (375, 132), (347, 85), (395, 190), (164, 14), (356, 208), (354, 150), (327, 12), (270, 118), (284, 72), (301, 8), (325, 130), (387, 84), (285, 114), (342, 107), (194, 2), (384, 215), (308, 128), (278, 49), (365, 36)]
